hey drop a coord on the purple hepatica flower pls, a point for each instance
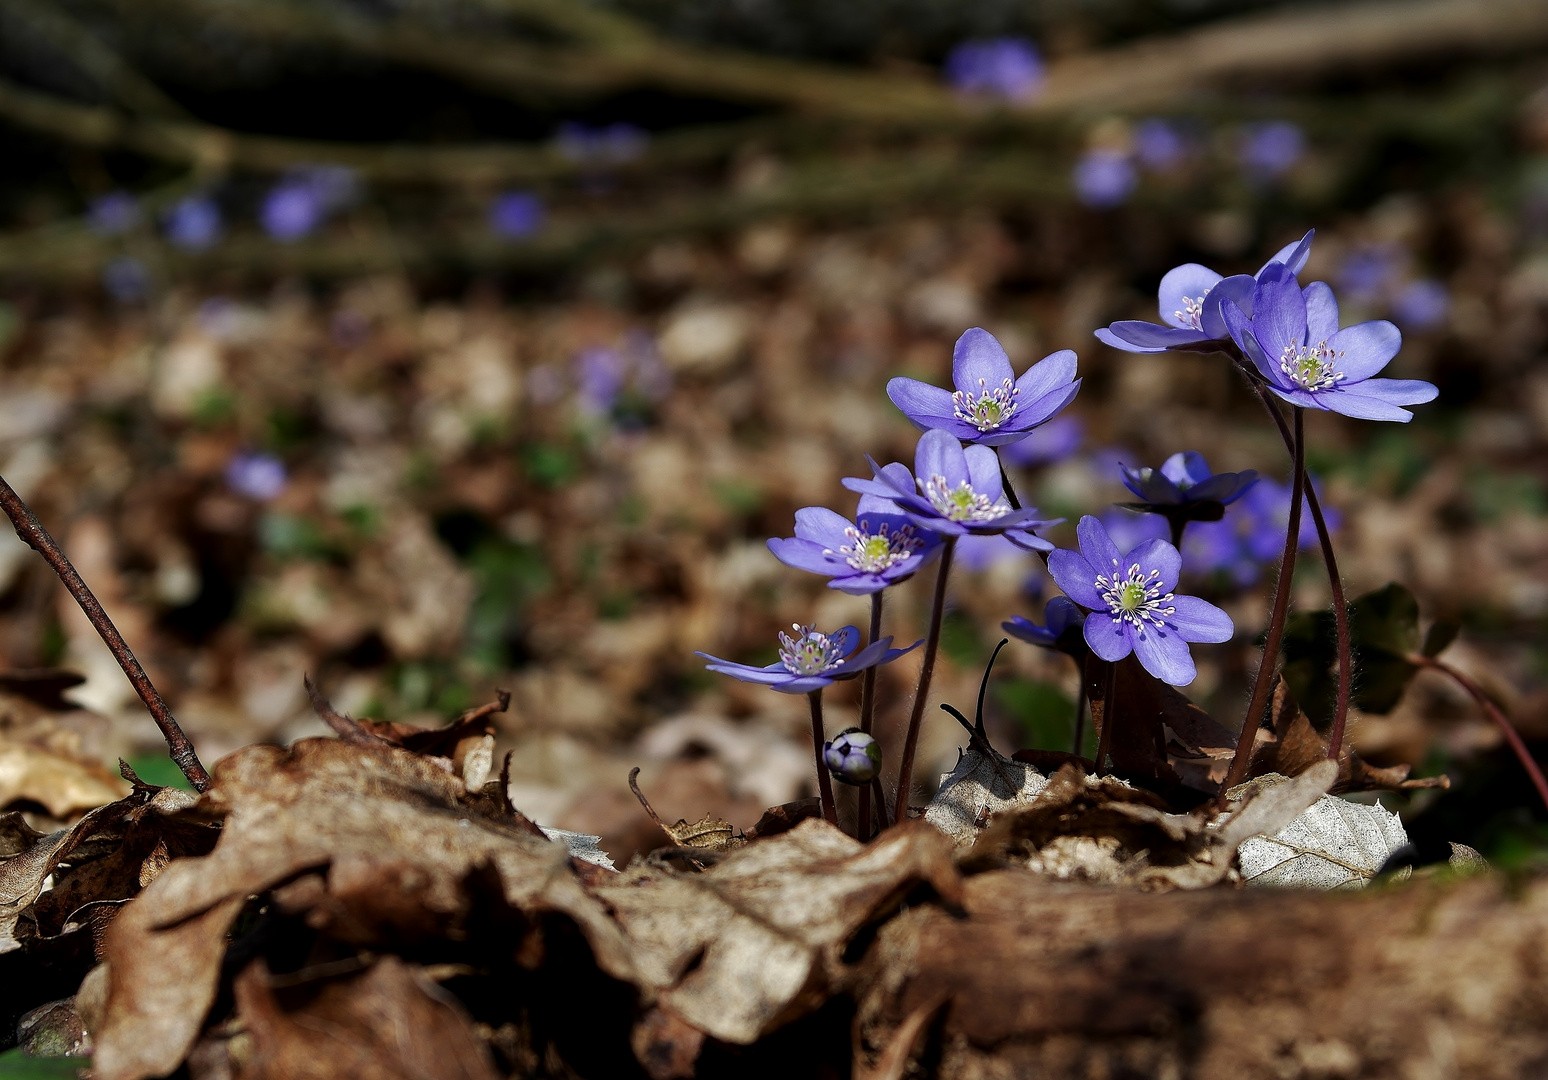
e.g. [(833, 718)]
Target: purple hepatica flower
[(880, 547), (1062, 632), (990, 405), (1007, 68), (516, 214), (1191, 297), (1184, 480), (1048, 444), (257, 476), (1365, 272), (291, 211), (1104, 178), (1132, 605), (852, 756), (193, 223), (114, 213), (810, 660), (1268, 150), (1422, 305), (126, 280), (958, 492), (1159, 144), (1294, 341), (1252, 534)]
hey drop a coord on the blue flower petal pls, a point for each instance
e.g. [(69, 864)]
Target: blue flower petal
[(1135, 336), (1047, 375), (1278, 312), (979, 357), (1109, 638), (1292, 255), (1199, 620), (1236, 289), (922, 403), (1156, 555), (1098, 549), (1072, 573), (1164, 654), (1362, 406), (1181, 284), (805, 555), (1019, 626), (821, 526), (1321, 312), (940, 454), (1364, 349)]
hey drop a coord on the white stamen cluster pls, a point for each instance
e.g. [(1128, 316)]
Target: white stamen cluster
[(809, 653), (962, 503), (1135, 597), (1311, 367), (987, 409), (873, 552), (1192, 312)]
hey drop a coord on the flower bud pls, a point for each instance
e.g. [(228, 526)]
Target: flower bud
[(853, 757)]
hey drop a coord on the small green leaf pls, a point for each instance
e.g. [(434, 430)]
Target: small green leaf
[(1442, 633), (19, 1065), (1383, 631)]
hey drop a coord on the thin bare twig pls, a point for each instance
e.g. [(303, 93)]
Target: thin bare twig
[(347, 728), (32, 532), (1494, 713)]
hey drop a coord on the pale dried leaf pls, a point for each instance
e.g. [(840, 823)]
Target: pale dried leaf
[(1332, 845), (972, 793), (582, 846), (61, 785), (1467, 861)]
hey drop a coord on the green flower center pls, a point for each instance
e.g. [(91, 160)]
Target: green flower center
[(810, 653), (871, 553), (1311, 367), (1134, 596), (987, 409), (962, 503)]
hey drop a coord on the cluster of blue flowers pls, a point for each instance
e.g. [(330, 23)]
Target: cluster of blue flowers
[(1119, 599)]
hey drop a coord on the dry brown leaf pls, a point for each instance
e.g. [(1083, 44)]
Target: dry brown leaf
[(392, 841), (973, 792), (388, 1022), (756, 940), (61, 785)]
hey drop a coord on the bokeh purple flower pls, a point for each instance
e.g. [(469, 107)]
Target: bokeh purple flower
[(126, 279), (1422, 305), (1190, 297), (958, 491), (1159, 144), (113, 214), (880, 547), (1365, 273), (1293, 339), (516, 214), (1047, 444), (810, 660), (1104, 178), (990, 406), (1269, 149), (1251, 535), (257, 476), (1008, 68), (852, 757), (610, 378), (193, 223), (1132, 605), (609, 144)]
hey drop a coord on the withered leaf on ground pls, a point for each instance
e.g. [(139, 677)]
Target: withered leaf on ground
[(393, 841), (60, 784), (1333, 844), (757, 940), (388, 1022), (976, 790)]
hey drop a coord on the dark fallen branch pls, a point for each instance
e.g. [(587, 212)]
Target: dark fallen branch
[(32, 532)]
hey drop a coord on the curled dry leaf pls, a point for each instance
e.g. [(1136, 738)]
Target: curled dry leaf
[(60, 784), (1101, 829), (973, 792), (1333, 844)]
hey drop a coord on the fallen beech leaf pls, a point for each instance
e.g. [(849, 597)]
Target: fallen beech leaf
[(709, 832), (1466, 860), (758, 939), (784, 817), (973, 792), (388, 1022), (582, 846), (1334, 844)]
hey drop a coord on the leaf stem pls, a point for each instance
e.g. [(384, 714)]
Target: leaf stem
[(824, 782), (32, 532), (867, 713), (1080, 717), (1280, 610), (922, 691), (1005, 482), (1494, 713)]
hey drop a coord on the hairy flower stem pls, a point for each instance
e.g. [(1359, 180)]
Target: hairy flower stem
[(1501, 721), (1105, 736), (32, 532), (1178, 525), (1277, 617), (867, 712), (1005, 482), (1335, 585), (1080, 719), (922, 691), (824, 783)]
